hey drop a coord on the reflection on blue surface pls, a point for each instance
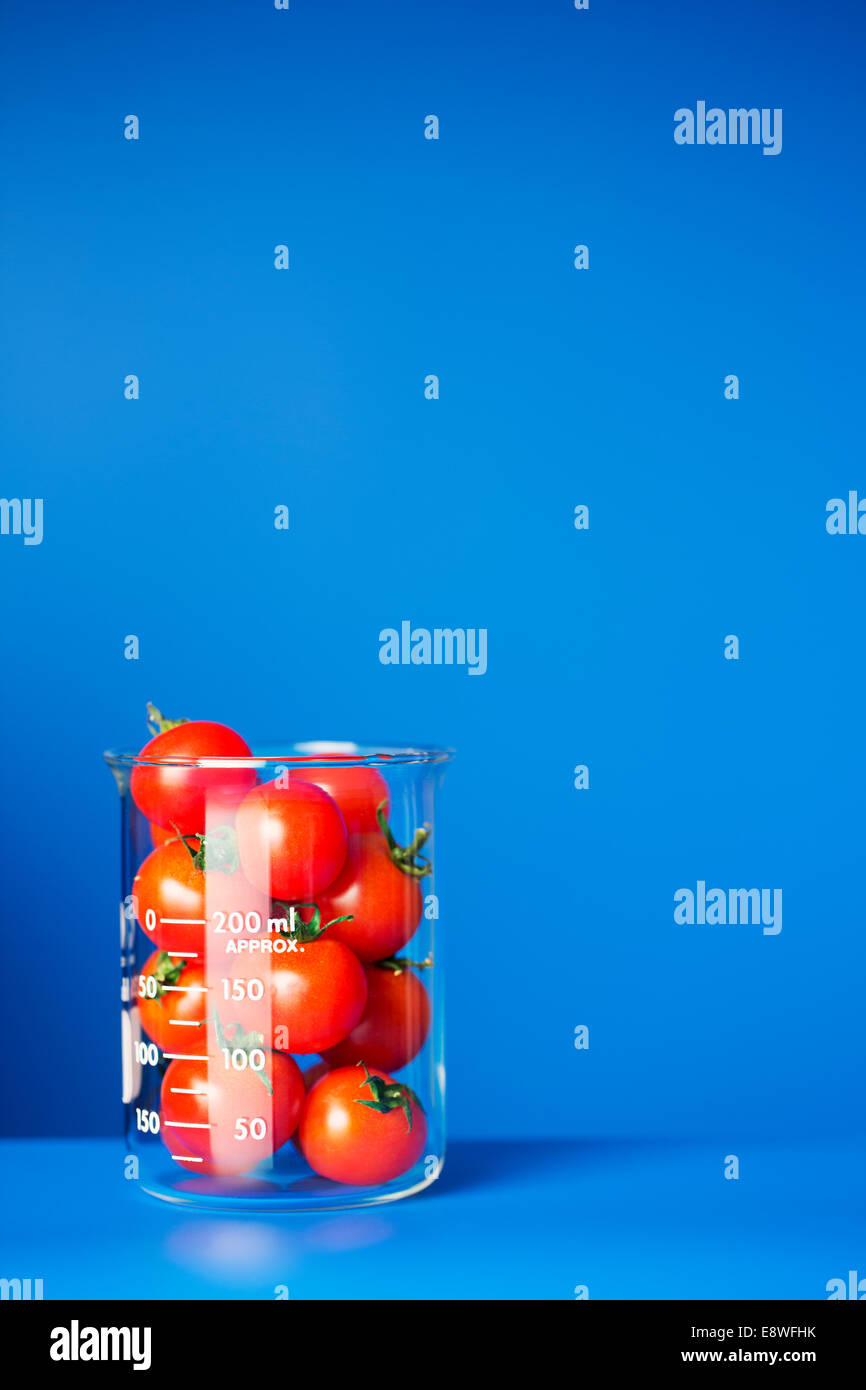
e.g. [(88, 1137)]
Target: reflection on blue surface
[(628, 1219)]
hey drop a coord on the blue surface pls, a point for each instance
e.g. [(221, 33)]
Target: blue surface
[(505, 1220), (558, 387)]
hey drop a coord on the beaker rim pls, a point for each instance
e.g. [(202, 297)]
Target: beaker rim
[(311, 753)]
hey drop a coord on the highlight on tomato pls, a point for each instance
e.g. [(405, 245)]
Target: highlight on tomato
[(175, 796)]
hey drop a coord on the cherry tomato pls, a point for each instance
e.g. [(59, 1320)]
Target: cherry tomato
[(393, 1026), (343, 1138), (358, 791), (385, 903), (249, 1114), (171, 996), (317, 995), (172, 898), (292, 839), (180, 796)]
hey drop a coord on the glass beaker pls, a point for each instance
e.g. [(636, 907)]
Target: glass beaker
[(282, 1002)]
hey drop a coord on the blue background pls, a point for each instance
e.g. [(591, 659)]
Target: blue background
[(558, 387)]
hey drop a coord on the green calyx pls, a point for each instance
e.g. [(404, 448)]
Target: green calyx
[(234, 1038), (311, 930), (245, 1041), (397, 964), (217, 850), (407, 857), (166, 972), (157, 722), (388, 1097)]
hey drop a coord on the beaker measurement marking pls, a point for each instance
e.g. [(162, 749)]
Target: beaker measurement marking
[(183, 921), (186, 1124), (182, 1057), (182, 1158), (185, 1091), (183, 955), (185, 989), (183, 1023)]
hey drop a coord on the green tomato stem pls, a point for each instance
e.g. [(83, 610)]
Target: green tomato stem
[(388, 1097), (307, 931), (397, 964), (157, 722), (407, 858)]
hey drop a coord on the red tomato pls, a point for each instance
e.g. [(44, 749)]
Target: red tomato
[(292, 839), (180, 796), (231, 1119), (393, 1026), (317, 995), (172, 898), (179, 1002), (343, 1138), (385, 904), (358, 791)]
